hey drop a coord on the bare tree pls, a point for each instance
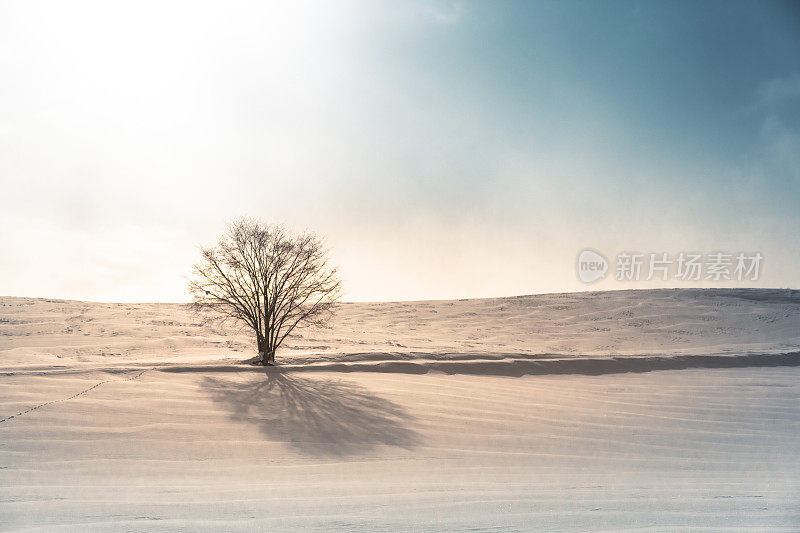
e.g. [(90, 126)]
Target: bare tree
[(267, 278)]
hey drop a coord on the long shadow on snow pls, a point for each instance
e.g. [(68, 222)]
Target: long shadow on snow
[(316, 416)]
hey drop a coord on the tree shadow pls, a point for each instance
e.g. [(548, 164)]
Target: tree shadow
[(316, 416)]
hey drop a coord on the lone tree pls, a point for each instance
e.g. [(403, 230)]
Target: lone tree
[(267, 278)]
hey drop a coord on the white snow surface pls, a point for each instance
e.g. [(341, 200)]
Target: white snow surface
[(664, 410)]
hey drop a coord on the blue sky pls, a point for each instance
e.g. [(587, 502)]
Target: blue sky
[(445, 149)]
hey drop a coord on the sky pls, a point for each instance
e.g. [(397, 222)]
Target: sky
[(442, 149)]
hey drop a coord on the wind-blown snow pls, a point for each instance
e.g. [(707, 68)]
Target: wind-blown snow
[(655, 322), (513, 414)]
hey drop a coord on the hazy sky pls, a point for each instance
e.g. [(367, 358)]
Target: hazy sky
[(445, 149)]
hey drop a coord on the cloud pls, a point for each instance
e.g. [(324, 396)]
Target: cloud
[(782, 149), (776, 99), (778, 91), (443, 13)]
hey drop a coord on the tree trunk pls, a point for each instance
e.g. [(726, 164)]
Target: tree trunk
[(263, 349)]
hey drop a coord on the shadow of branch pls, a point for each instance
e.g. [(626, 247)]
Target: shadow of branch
[(316, 416)]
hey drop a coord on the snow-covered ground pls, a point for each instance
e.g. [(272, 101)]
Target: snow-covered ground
[(501, 414), (47, 333)]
